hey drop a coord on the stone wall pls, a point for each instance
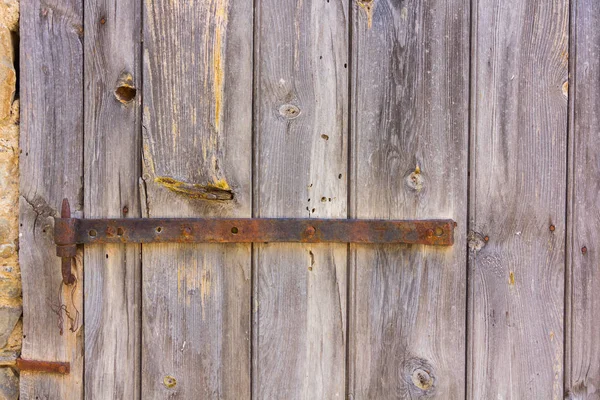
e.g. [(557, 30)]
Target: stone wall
[(10, 276)]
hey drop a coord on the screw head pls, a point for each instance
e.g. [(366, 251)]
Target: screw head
[(584, 250), (310, 230), (552, 228)]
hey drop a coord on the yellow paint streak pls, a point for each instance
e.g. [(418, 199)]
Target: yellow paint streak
[(368, 6), (218, 73), (511, 278), (404, 13), (221, 184), (147, 154), (181, 283), (205, 286)]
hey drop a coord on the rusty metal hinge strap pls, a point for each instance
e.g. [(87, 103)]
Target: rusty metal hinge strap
[(68, 232), (53, 367)]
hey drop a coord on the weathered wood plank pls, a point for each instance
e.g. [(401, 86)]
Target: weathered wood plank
[(112, 169), (582, 368), (409, 160), (51, 90), (517, 202), (197, 138), (301, 98)]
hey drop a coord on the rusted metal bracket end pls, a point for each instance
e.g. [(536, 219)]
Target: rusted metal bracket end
[(66, 245), (53, 367), (68, 232)]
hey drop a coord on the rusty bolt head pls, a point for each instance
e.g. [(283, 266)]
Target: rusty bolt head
[(584, 250), (62, 369), (486, 239), (110, 231), (552, 228), (125, 210), (310, 230), (429, 233), (187, 231)]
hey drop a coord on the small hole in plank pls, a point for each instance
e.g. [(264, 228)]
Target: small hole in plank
[(125, 93), (158, 229), (120, 231)]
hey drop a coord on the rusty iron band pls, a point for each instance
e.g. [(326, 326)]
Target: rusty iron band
[(55, 367), (69, 232)]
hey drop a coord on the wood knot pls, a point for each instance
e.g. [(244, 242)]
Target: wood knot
[(125, 91), (419, 375), (476, 241), (169, 381), (421, 379), (289, 111), (415, 180)]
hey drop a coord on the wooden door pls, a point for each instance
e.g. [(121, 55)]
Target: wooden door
[(381, 109)]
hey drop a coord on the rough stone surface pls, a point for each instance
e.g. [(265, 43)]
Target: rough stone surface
[(9, 316), (9, 384), (11, 328)]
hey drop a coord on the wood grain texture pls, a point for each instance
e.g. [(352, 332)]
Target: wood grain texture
[(517, 202), (112, 169), (582, 369), (409, 160), (51, 91), (197, 143), (301, 114)]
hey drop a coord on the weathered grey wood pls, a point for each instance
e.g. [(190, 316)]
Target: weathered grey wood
[(517, 199), (409, 160), (301, 98), (582, 368), (112, 169), (197, 118), (51, 91)]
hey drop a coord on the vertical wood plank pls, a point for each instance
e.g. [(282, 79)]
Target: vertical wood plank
[(583, 297), (409, 160), (51, 90), (517, 203), (301, 171), (112, 169), (197, 118)]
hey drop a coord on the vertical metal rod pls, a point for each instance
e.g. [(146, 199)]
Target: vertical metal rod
[(66, 252)]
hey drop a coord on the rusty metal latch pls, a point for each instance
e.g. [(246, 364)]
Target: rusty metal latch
[(69, 232), (52, 367)]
